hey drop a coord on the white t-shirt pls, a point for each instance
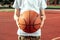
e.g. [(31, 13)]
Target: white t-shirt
[(24, 5)]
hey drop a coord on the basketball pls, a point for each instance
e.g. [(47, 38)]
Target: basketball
[(29, 21)]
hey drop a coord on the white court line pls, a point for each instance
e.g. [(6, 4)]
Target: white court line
[(52, 9), (6, 10), (45, 9), (56, 38)]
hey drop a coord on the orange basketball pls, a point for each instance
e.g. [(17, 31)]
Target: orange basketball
[(29, 21)]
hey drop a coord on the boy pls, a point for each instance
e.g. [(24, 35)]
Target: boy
[(35, 5)]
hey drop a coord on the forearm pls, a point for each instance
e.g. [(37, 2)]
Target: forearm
[(43, 17), (16, 14)]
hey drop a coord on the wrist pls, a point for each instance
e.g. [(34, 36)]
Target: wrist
[(43, 17), (16, 17)]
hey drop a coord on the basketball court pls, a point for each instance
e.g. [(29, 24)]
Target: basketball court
[(50, 31)]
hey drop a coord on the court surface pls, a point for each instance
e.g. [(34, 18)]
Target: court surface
[(50, 31)]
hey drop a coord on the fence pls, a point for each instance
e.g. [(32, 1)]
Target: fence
[(53, 2)]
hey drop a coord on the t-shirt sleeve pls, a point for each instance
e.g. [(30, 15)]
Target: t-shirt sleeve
[(15, 5), (43, 4)]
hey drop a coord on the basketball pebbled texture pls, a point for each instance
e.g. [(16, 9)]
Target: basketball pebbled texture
[(29, 21)]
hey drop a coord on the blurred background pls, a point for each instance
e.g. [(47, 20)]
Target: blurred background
[(6, 3), (9, 3)]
